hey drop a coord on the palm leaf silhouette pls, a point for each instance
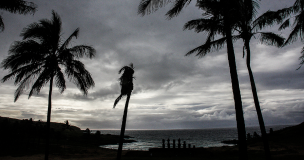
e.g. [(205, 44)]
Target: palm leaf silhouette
[(126, 82)]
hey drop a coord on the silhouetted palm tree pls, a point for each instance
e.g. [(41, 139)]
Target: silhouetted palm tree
[(126, 83), (248, 27), (223, 13), (40, 57), (16, 6)]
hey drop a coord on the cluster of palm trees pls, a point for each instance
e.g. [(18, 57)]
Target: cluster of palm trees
[(233, 20), (43, 57)]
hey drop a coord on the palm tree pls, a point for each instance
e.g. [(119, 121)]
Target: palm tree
[(126, 83), (16, 6), (285, 17), (222, 13), (40, 57), (247, 28)]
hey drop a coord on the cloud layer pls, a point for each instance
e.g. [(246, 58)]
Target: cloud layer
[(171, 90)]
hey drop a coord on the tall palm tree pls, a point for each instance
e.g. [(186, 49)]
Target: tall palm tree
[(248, 27), (16, 6), (126, 83), (223, 13), (42, 56)]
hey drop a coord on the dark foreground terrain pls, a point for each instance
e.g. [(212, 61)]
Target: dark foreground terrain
[(67, 143)]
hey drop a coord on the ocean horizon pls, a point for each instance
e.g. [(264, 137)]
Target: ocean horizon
[(212, 137)]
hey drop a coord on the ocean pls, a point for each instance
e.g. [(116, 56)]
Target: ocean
[(199, 137)]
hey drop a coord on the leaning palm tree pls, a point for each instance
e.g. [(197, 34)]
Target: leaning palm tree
[(16, 6), (221, 15), (42, 56), (126, 83), (249, 28)]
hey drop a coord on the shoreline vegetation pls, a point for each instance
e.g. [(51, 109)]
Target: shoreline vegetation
[(25, 139)]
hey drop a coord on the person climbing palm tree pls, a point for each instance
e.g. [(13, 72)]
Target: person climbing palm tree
[(43, 56), (16, 6), (126, 83)]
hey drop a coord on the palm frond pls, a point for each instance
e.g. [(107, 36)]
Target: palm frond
[(77, 74), (81, 50), (25, 82), (150, 6), (208, 47), (1, 24), (301, 59), (21, 73), (46, 31), (271, 18), (44, 77), (23, 53), (18, 6), (285, 24), (33, 31), (177, 7), (203, 25), (67, 41), (117, 100), (31, 69), (272, 39), (293, 36), (297, 30), (298, 5), (56, 24), (60, 81)]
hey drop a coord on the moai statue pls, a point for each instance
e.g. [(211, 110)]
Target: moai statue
[(194, 146), (164, 143), (168, 143), (189, 145), (173, 143), (249, 136), (184, 145), (179, 144)]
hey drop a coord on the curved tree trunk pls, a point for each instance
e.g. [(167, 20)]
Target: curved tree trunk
[(48, 123), (257, 103), (123, 127), (242, 144)]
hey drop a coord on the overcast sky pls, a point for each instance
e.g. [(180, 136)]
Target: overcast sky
[(171, 91)]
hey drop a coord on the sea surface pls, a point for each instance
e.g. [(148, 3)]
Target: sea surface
[(199, 137)]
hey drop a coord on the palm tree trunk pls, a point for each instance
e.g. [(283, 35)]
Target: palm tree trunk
[(242, 144), (257, 104), (123, 127), (48, 123)]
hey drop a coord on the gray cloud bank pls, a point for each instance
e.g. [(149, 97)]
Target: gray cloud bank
[(171, 90)]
